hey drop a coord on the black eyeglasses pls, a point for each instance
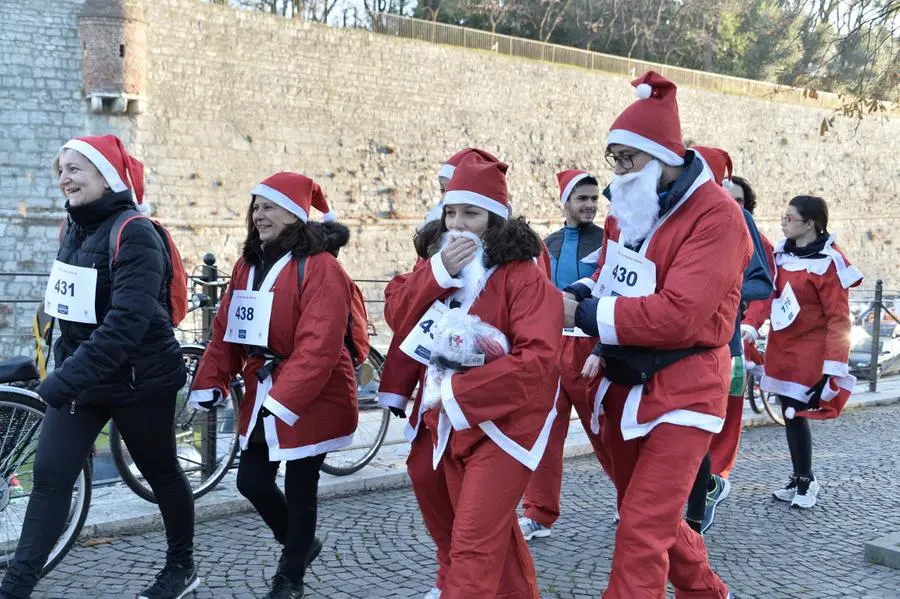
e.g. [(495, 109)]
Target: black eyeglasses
[(624, 161)]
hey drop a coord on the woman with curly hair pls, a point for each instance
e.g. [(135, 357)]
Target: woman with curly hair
[(491, 427)]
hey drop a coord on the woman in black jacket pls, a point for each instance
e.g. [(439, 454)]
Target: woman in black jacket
[(116, 357)]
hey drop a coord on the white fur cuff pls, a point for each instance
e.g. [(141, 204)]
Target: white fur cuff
[(443, 278)]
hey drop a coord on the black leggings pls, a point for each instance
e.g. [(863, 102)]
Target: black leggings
[(696, 506), (799, 438), (291, 515), (64, 445)]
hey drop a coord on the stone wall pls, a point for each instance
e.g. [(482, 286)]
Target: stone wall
[(234, 96)]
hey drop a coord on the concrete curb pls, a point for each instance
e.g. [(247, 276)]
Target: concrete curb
[(211, 507), (884, 551)]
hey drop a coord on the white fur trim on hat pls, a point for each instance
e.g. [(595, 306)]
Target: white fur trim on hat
[(435, 213), (571, 187), (273, 195), (644, 144), (460, 196), (643, 91), (109, 172), (446, 171)]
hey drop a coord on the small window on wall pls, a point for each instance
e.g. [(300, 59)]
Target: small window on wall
[(122, 50)]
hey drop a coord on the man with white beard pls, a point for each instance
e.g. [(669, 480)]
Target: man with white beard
[(664, 304)]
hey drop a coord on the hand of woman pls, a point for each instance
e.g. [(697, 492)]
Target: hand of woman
[(591, 366), (459, 252)]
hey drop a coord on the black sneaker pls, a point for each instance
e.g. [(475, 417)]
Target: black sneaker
[(314, 550), (719, 491), (172, 582), (285, 588)]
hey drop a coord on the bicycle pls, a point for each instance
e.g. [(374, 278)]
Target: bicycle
[(207, 443), (760, 401), (21, 415)]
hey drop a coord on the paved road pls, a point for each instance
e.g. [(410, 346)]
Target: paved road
[(376, 546)]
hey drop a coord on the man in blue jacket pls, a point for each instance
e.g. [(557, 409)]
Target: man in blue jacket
[(572, 257)]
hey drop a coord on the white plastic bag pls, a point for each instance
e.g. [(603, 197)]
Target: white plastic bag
[(461, 341)]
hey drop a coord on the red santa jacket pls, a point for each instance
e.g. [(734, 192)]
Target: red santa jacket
[(400, 373), (510, 400), (700, 250), (312, 393), (817, 341)]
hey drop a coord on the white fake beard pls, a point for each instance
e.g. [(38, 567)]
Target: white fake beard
[(472, 273), (635, 202)]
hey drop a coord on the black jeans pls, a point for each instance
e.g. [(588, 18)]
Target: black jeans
[(64, 445), (291, 515), (799, 437)]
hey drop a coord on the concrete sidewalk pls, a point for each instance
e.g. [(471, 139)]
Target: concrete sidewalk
[(115, 510)]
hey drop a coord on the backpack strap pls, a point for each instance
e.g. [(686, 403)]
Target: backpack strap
[(115, 233), (348, 334), (115, 240)]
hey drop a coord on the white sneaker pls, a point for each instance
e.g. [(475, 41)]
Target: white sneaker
[(788, 492), (531, 529), (434, 593), (808, 499)]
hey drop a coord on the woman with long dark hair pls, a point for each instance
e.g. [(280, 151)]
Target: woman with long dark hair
[(283, 325), (809, 343), (489, 431)]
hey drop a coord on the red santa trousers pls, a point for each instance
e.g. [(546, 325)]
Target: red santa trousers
[(489, 556), (653, 476), (723, 449), (430, 488), (541, 502)]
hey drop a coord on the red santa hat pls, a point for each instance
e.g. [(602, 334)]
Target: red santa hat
[(295, 193), (120, 169), (651, 123), (479, 180), (719, 162), (568, 181), (447, 169)]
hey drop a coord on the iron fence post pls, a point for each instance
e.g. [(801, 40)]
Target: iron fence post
[(876, 336), (211, 290)]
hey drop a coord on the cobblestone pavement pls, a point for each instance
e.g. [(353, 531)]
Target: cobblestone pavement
[(376, 546)]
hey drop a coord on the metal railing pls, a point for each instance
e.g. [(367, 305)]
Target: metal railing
[(476, 39), (876, 312)]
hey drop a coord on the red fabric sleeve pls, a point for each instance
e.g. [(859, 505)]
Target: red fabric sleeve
[(506, 384), (835, 302), (411, 294), (319, 334), (221, 360), (706, 267)]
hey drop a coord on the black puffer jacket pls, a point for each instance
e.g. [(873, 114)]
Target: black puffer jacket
[(132, 354)]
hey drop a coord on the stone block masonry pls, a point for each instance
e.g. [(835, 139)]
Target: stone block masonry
[(233, 96)]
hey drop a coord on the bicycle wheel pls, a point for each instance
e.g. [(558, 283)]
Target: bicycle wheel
[(21, 415), (373, 422), (205, 442), (752, 387), (773, 406)]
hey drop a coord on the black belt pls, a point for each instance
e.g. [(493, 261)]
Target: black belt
[(625, 365)]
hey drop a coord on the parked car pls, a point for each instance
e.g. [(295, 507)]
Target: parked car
[(888, 352)]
